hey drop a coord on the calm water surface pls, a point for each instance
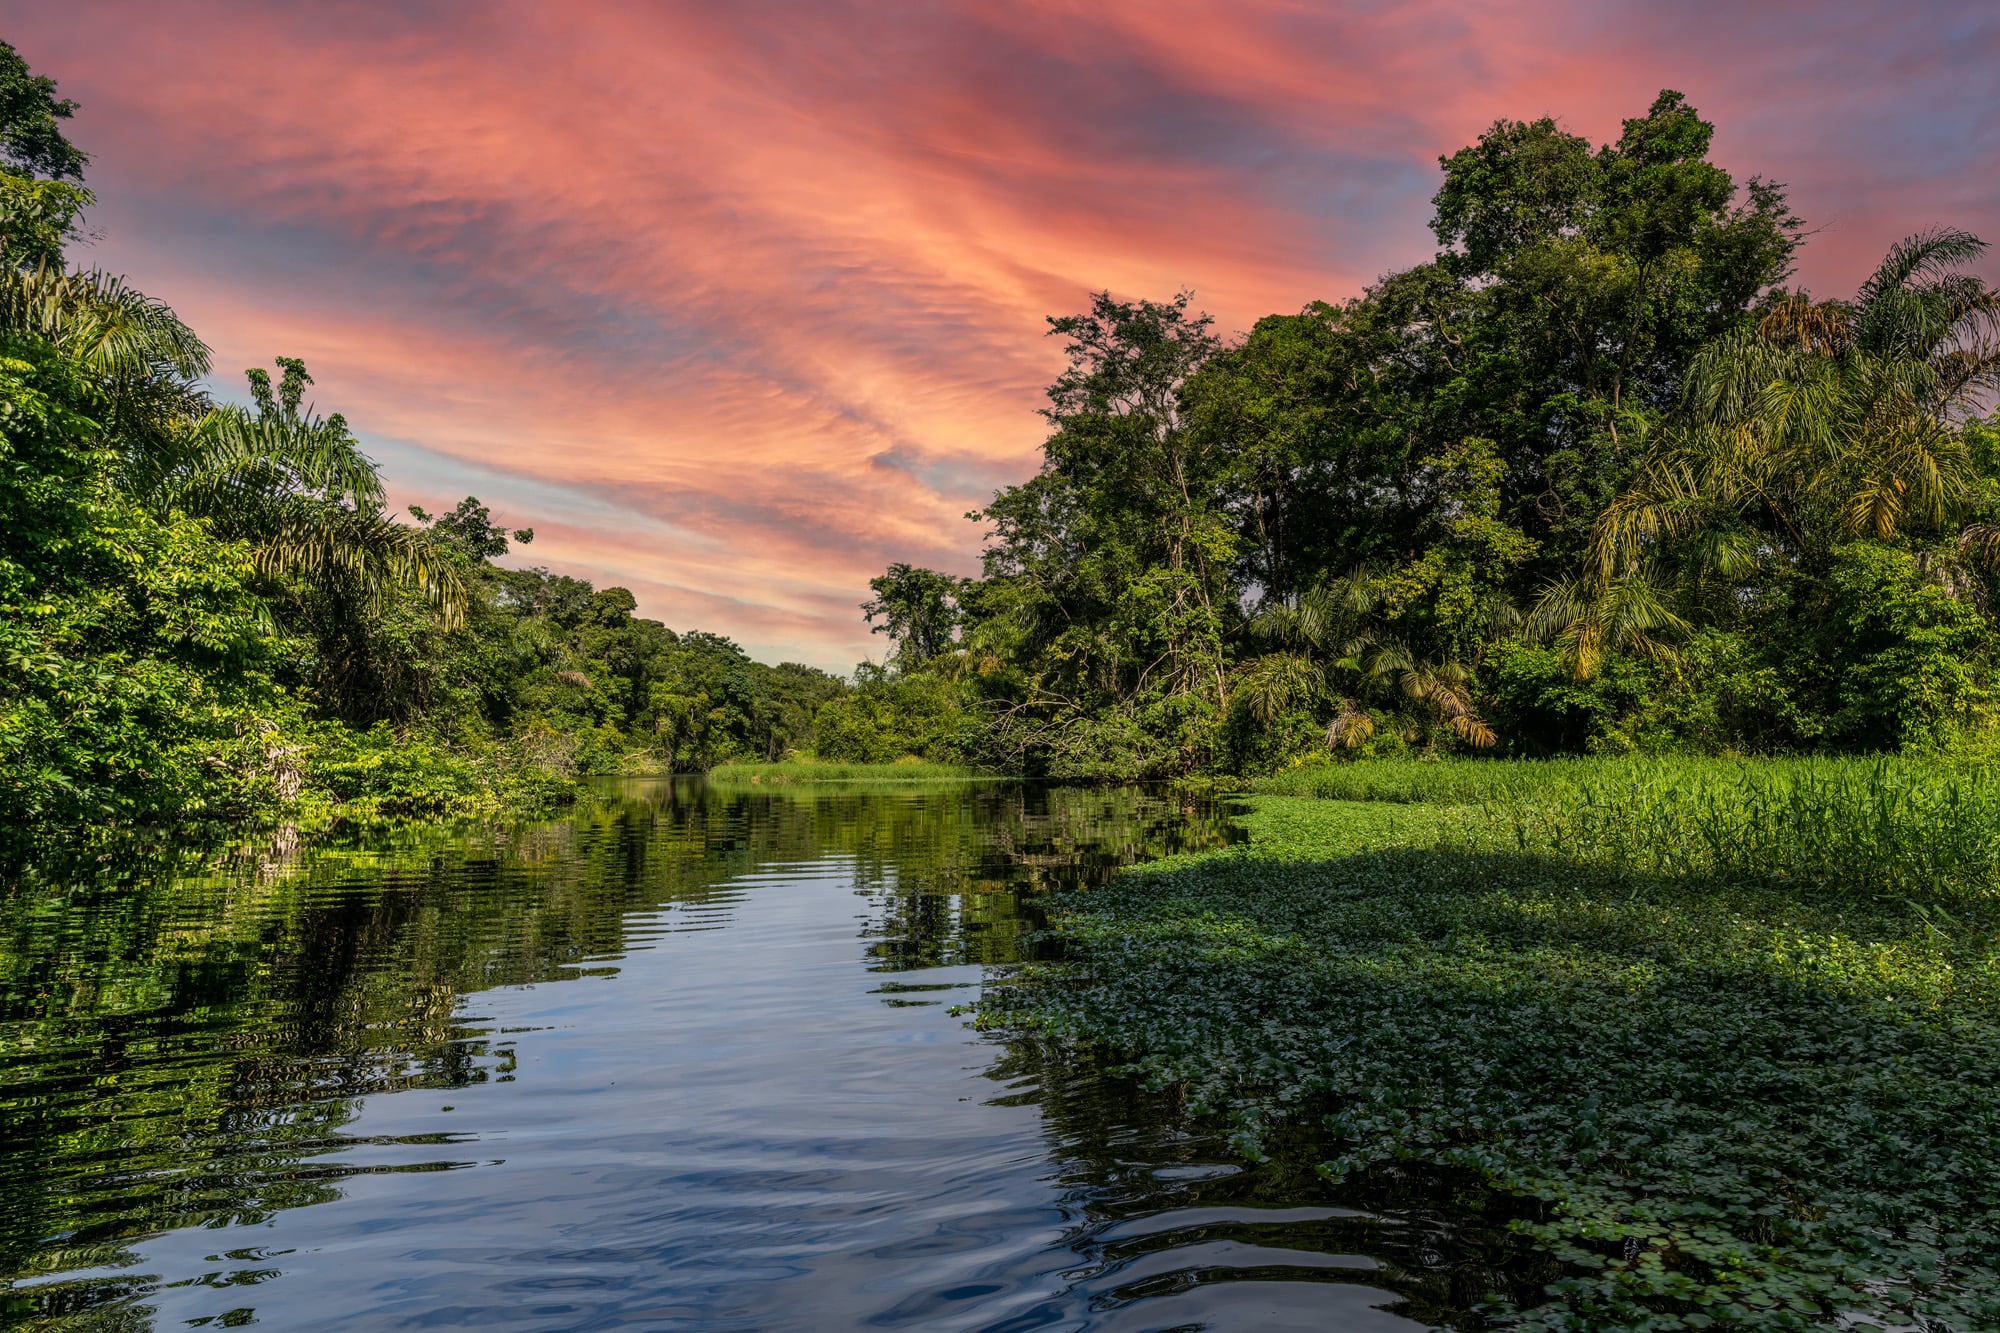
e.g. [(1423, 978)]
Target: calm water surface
[(684, 1060)]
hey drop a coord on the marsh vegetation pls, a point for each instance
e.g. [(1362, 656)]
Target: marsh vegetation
[(1725, 1031)]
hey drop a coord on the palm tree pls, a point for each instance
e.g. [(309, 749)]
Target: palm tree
[(1327, 634), (1447, 688), (1322, 631), (141, 361), (1821, 423), (1590, 619), (297, 487), (1444, 686), (110, 330)]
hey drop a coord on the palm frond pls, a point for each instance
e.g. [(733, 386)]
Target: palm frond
[(1669, 498), (1924, 256), (231, 449), (1383, 658), (1588, 620), (1981, 541), (1270, 685), (1447, 688), (1728, 552), (372, 550), (110, 327), (1823, 328), (1351, 727)]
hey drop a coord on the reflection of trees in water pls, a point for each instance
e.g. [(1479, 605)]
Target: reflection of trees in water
[(969, 894), (182, 1041), (1128, 1154)]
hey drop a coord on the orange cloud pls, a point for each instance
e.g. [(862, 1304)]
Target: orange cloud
[(737, 303)]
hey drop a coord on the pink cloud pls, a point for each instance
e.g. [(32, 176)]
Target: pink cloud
[(756, 291)]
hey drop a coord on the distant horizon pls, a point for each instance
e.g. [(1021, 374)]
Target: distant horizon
[(736, 308)]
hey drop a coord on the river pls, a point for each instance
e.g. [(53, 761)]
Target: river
[(686, 1059)]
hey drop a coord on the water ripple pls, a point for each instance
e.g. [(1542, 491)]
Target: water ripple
[(684, 1060)]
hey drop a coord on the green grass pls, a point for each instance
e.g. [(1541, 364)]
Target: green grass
[(808, 771), (1728, 1030), (1459, 781), (1416, 781)]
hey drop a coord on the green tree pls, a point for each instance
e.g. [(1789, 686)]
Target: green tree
[(31, 115), (1116, 558), (917, 608), (1823, 466), (1827, 421), (469, 526), (132, 657), (298, 488), (41, 200), (1582, 283), (1307, 420)]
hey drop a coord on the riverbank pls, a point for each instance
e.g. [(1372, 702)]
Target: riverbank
[(1726, 1030), (323, 781), (813, 771)]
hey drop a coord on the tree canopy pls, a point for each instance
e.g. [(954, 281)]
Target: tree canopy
[(1590, 478)]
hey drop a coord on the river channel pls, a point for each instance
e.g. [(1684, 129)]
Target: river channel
[(686, 1059)]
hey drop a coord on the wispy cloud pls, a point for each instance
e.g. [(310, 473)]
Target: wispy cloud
[(737, 303)]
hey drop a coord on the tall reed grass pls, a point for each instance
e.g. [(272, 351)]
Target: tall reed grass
[(1878, 826), (1425, 781), (1886, 828)]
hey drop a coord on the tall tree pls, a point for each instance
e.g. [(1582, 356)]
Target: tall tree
[(1116, 558), (1826, 421), (915, 607), (1583, 284), (298, 488)]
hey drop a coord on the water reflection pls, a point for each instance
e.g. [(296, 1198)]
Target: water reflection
[(683, 1060)]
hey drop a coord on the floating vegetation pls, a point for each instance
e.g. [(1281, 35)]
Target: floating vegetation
[(1727, 1030)]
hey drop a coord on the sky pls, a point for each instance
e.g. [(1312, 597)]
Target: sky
[(737, 302)]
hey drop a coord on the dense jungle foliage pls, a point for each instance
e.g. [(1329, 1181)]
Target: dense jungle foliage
[(1592, 479), (208, 610)]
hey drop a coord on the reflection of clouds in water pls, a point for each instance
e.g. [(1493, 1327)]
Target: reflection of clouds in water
[(688, 1055)]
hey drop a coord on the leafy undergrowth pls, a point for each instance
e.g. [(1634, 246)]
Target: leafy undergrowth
[(1737, 1093), (377, 779)]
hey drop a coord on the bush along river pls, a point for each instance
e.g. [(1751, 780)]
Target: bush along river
[(690, 1058)]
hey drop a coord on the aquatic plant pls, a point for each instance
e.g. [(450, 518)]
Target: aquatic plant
[(1726, 1032)]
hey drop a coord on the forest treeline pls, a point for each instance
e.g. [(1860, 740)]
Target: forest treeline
[(1593, 478), (209, 611)]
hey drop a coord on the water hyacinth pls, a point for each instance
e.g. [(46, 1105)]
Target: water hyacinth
[(1726, 1031)]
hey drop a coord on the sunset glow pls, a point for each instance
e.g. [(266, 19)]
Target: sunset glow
[(735, 304)]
